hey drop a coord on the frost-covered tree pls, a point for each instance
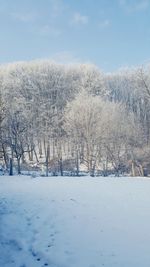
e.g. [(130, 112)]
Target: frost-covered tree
[(85, 125), (69, 115)]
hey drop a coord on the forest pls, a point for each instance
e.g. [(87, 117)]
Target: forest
[(74, 119)]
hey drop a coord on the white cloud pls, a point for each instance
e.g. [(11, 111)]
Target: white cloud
[(24, 17), (142, 5), (104, 24), (49, 30), (79, 19), (65, 57), (134, 5), (56, 8)]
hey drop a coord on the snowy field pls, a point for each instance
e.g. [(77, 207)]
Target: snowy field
[(74, 222)]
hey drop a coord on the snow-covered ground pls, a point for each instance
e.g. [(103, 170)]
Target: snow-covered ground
[(74, 222)]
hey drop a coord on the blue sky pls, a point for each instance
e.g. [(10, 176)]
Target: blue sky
[(108, 33)]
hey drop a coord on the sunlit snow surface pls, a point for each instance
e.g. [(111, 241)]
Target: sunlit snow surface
[(74, 222)]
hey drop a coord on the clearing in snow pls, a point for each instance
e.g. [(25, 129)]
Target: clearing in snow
[(74, 222)]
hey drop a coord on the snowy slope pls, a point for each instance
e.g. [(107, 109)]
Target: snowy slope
[(74, 222)]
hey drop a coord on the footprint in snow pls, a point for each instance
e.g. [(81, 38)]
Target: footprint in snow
[(113, 255), (73, 200), (45, 264), (51, 235), (29, 222), (50, 245), (34, 254), (14, 244)]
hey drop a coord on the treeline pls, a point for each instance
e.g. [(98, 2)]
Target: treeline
[(62, 119)]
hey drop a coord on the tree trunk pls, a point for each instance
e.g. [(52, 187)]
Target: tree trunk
[(77, 163), (36, 156), (47, 166), (19, 167), (31, 153), (141, 170), (45, 149), (40, 149), (133, 169), (61, 166), (93, 169), (47, 159), (11, 167)]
